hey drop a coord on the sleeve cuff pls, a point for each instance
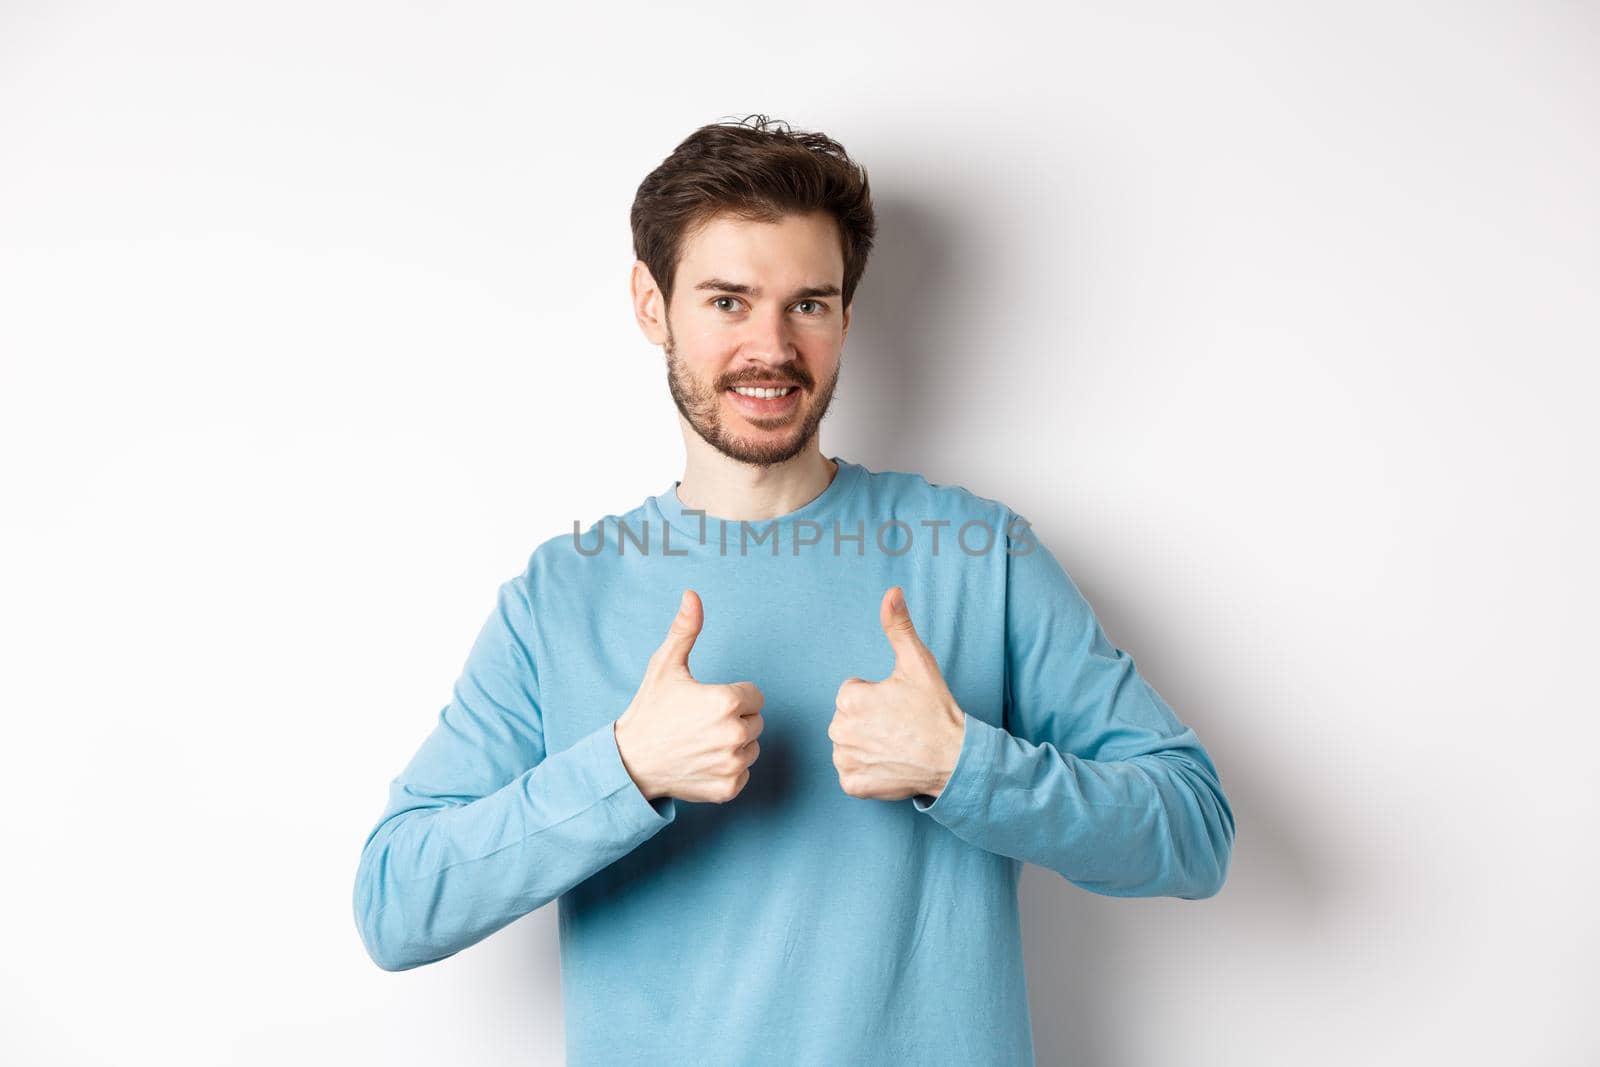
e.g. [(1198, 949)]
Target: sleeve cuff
[(967, 786), (601, 760)]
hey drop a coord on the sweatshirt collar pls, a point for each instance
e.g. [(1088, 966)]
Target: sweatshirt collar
[(822, 507)]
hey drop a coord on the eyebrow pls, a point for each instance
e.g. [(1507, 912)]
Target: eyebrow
[(721, 286)]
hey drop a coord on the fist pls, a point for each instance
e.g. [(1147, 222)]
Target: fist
[(899, 737), (681, 739)]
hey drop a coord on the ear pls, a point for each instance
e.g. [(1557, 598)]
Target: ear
[(649, 309), (844, 320)]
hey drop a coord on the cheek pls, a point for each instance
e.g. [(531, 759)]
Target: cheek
[(708, 344), (702, 357), (823, 365), (818, 348)]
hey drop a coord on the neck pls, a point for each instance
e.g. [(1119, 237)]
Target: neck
[(727, 489)]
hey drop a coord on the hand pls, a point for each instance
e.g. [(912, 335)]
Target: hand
[(899, 737), (681, 739)]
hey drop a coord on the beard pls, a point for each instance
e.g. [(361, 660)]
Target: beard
[(701, 406)]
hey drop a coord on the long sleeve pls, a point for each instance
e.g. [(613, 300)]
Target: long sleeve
[(1092, 776), (483, 826)]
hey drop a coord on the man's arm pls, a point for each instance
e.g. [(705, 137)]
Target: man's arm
[(1094, 777), (482, 826)]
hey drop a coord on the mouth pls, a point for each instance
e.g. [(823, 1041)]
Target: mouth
[(764, 402)]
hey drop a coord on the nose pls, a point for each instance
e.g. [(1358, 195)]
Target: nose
[(768, 341)]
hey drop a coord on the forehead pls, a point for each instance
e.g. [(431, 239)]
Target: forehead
[(804, 247)]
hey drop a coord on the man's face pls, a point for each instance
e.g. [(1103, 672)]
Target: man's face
[(757, 304)]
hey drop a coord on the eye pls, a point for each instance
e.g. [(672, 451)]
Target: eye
[(819, 305), (718, 300)]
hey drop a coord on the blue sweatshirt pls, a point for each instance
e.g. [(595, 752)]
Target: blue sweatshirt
[(795, 923)]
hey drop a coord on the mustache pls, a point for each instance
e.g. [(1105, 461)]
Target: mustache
[(786, 377)]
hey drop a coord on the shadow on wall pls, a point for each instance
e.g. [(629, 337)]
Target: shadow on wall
[(922, 318), (903, 356)]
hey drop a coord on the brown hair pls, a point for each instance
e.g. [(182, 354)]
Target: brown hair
[(756, 169)]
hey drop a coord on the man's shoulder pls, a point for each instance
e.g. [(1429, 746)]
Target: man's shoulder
[(556, 559), (980, 524), (913, 491)]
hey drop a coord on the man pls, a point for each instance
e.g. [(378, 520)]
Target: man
[(670, 720)]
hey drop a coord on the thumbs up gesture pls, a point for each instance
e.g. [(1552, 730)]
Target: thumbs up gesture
[(682, 739), (899, 737)]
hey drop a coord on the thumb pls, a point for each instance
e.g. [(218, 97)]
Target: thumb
[(898, 627), (674, 651)]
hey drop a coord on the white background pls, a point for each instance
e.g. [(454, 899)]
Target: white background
[(1277, 320)]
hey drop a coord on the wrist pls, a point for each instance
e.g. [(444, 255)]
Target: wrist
[(632, 767), (953, 736)]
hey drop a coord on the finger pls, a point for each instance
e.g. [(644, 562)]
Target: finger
[(751, 699), (843, 696), (674, 651), (852, 680), (895, 617)]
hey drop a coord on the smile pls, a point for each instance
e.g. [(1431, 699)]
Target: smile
[(765, 401)]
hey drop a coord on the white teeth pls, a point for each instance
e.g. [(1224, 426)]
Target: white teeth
[(766, 393)]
